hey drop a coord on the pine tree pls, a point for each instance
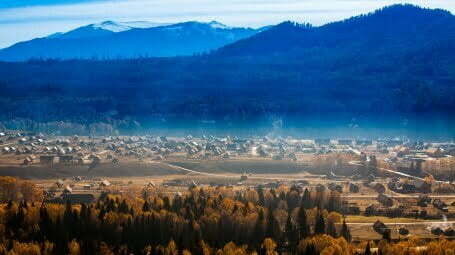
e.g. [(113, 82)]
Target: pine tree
[(387, 235), (10, 204), (101, 214), (166, 203), (146, 206), (68, 214), (310, 249), (319, 227), (345, 232), (261, 196), (282, 196), (367, 249), (303, 228), (332, 204), (44, 223), (291, 233), (258, 232), (123, 208), (272, 229), (306, 199), (331, 229), (288, 229)]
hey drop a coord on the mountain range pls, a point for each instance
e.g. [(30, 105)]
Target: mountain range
[(111, 40), (396, 65)]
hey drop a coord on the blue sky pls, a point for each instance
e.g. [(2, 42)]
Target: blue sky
[(27, 19), (24, 3)]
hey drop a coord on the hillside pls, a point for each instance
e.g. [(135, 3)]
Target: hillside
[(397, 27), (395, 65)]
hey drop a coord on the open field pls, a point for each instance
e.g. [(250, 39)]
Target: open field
[(122, 169)]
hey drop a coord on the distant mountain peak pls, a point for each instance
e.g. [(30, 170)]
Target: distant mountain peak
[(113, 39), (104, 28), (111, 26), (212, 24), (216, 24), (124, 26)]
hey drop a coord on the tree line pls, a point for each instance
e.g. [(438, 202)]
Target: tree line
[(285, 220), (203, 220)]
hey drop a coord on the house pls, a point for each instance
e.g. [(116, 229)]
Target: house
[(67, 190), (27, 161), (105, 183), (59, 183)]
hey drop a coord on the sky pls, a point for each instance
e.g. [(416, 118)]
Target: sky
[(22, 20)]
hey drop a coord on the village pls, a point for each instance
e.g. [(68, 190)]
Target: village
[(394, 186)]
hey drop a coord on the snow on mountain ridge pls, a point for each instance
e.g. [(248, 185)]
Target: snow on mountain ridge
[(111, 26), (124, 26), (216, 24), (107, 27)]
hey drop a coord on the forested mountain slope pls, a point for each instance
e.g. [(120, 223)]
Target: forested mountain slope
[(394, 64)]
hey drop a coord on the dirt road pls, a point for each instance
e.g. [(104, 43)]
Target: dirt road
[(358, 163), (231, 176)]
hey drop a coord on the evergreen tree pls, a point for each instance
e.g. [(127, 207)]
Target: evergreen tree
[(386, 235), (68, 214), (345, 232), (288, 229), (291, 233), (367, 249), (258, 232), (271, 229), (331, 229), (303, 227), (146, 206), (123, 208), (306, 199), (102, 214), (332, 204), (261, 196), (319, 227), (44, 223), (167, 203), (10, 204), (310, 249)]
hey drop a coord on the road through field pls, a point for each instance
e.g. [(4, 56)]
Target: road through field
[(358, 163), (404, 223), (350, 196), (232, 175)]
